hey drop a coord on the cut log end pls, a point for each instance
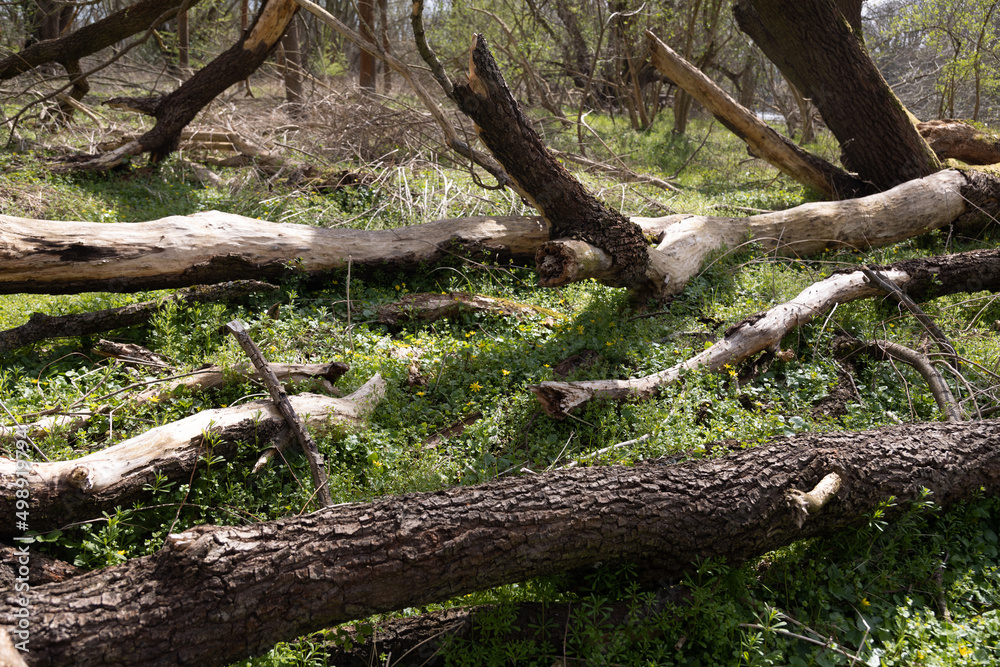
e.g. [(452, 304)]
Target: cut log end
[(558, 399)]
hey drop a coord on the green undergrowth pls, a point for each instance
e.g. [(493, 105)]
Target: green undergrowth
[(458, 408)]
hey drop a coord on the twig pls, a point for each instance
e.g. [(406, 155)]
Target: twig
[(829, 644), (920, 362), (280, 398), (893, 290)]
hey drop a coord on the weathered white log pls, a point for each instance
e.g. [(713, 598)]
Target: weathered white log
[(64, 257), (946, 274), (905, 211), (685, 241), (44, 256), (200, 380), (64, 491)]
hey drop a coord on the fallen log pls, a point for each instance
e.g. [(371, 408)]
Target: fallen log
[(919, 278), (75, 416), (41, 327), (958, 140), (214, 595), (42, 256), (66, 491)]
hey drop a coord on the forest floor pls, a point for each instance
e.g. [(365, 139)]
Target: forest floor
[(924, 589)]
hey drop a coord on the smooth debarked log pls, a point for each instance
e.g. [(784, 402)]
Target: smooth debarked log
[(920, 278)]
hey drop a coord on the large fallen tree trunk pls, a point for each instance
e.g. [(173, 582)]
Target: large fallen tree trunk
[(66, 257), (919, 278), (66, 491), (53, 257), (213, 595)]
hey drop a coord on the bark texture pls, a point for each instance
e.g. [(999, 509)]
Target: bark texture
[(958, 140), (818, 51), (213, 595), (571, 211)]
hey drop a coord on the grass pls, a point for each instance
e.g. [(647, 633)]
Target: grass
[(877, 592)]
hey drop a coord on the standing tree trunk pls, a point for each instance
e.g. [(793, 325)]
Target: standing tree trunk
[(366, 23), (292, 48), (383, 26), (183, 42), (818, 51)]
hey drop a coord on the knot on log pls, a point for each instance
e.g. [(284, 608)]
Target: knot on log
[(81, 477), (803, 504)]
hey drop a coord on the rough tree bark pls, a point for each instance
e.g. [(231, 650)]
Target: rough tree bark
[(821, 54), (63, 492), (213, 595), (561, 199)]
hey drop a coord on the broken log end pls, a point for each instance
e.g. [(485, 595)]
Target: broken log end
[(805, 504)]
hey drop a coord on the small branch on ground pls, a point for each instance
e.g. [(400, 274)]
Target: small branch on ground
[(881, 350), (278, 395), (930, 325), (45, 327)]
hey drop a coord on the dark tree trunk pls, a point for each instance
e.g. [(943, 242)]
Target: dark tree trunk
[(51, 19), (366, 26), (292, 48), (183, 42), (817, 50), (214, 595), (576, 53), (383, 26), (561, 199), (174, 111), (91, 38)]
